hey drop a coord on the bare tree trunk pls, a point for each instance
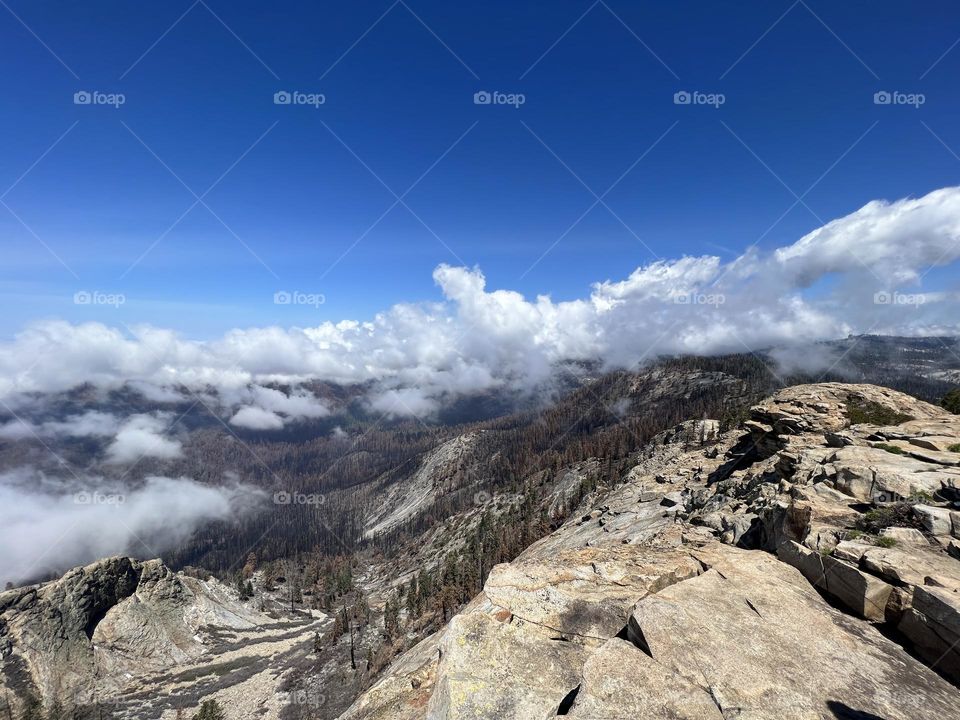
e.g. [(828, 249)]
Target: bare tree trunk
[(353, 660)]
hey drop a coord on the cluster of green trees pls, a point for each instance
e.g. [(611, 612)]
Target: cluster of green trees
[(951, 401)]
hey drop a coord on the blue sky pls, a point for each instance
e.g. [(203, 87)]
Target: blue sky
[(98, 193)]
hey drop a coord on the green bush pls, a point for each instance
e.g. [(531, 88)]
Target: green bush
[(890, 448), (898, 515), (884, 541), (210, 710), (951, 401), (954, 448), (866, 411)]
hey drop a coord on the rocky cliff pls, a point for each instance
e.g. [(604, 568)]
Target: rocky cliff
[(124, 638), (803, 567)]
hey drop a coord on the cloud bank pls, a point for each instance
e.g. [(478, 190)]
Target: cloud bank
[(138, 436), (860, 273), (269, 409), (48, 525)]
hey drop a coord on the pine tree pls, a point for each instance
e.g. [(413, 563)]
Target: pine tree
[(412, 593), (210, 710), (242, 587), (391, 619)]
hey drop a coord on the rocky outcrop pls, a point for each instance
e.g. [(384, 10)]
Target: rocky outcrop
[(398, 499), (99, 630), (800, 567)]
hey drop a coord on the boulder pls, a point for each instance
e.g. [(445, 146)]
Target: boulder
[(768, 647), (868, 473), (490, 669), (939, 443), (936, 520), (905, 536), (953, 549), (911, 566), (933, 626), (585, 594), (619, 681), (862, 593)]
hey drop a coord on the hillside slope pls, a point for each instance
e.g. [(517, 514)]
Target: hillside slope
[(128, 639), (805, 568)]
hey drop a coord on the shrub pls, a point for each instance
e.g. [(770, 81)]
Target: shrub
[(890, 448), (866, 411), (898, 515), (885, 542), (210, 710), (951, 401), (954, 448)]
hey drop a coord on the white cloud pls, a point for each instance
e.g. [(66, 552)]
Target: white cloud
[(896, 241), (143, 436), (477, 339), (255, 418), (269, 409), (404, 402), (48, 525), (17, 429), (92, 423)]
